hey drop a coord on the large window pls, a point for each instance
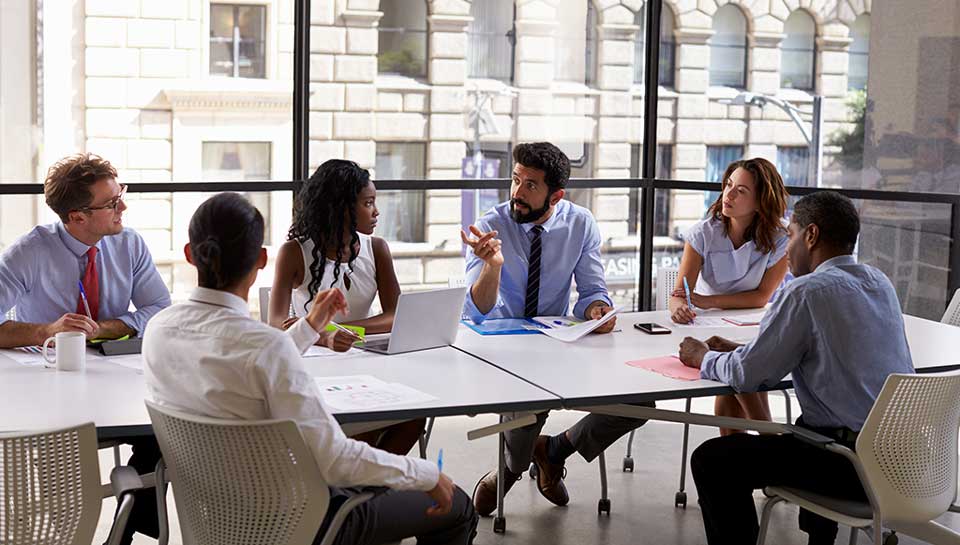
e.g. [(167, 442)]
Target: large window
[(859, 53), (403, 38), (798, 51), (237, 40), (491, 37), (667, 47), (728, 48), (401, 212)]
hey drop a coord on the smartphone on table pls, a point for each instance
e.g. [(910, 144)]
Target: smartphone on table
[(651, 328)]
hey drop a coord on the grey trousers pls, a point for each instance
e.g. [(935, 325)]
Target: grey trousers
[(590, 436), (394, 515)]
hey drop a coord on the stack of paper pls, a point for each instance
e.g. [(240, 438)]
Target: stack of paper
[(324, 352), (363, 392), (746, 319)]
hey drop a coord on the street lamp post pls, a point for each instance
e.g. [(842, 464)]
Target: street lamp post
[(813, 136)]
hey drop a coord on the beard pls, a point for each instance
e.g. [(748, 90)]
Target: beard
[(534, 213)]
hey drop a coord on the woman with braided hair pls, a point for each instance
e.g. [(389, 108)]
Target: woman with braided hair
[(331, 245)]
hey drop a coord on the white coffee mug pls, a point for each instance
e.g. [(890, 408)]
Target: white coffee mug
[(71, 352)]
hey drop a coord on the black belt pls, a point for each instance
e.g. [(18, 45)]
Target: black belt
[(842, 435)]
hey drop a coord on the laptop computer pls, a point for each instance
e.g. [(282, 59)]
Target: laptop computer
[(424, 320)]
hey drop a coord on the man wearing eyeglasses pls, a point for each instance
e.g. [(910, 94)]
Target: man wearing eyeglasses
[(41, 274)]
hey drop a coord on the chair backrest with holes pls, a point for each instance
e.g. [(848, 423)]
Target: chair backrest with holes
[(666, 281), (240, 482), (908, 445), (50, 486)]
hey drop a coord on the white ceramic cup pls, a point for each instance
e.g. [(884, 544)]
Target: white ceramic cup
[(71, 351)]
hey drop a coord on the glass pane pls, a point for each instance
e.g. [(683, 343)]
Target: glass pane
[(793, 164), (251, 23), (490, 40), (403, 38), (728, 48), (798, 52), (221, 20), (401, 212), (21, 105), (667, 47), (859, 53)]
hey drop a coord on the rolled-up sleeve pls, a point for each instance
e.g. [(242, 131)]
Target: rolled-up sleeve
[(778, 349), (591, 284), (150, 295), (473, 267), (16, 265)]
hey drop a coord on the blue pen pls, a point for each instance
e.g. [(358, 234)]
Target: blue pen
[(83, 297), (686, 290), (440, 461)]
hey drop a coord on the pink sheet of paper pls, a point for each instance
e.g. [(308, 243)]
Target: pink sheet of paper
[(668, 366)]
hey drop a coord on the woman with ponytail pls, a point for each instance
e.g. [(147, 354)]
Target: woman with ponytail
[(332, 246)]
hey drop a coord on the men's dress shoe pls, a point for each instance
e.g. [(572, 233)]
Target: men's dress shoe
[(549, 475), (485, 493)]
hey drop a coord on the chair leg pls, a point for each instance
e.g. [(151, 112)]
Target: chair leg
[(161, 488), (680, 498), (877, 529), (424, 440), (603, 506), (786, 396), (853, 536), (765, 518), (628, 459), (500, 522), (121, 520)]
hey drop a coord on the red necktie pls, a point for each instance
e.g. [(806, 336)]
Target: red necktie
[(91, 286)]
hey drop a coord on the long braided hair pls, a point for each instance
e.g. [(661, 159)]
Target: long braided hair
[(327, 199)]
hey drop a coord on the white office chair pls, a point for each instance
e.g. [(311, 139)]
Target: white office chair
[(906, 459), (952, 315), (50, 488), (241, 482)]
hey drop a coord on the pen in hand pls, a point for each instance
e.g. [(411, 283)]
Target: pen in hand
[(686, 291), (83, 297)]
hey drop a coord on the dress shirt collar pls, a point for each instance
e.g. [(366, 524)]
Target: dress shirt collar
[(836, 262), (75, 246), (221, 299), (547, 225)]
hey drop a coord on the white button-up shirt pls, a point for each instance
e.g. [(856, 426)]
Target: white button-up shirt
[(208, 357)]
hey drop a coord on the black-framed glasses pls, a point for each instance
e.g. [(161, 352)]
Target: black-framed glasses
[(112, 205)]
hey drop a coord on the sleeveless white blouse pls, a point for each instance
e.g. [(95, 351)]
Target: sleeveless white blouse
[(363, 282)]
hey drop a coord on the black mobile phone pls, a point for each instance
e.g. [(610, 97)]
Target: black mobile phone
[(652, 328)]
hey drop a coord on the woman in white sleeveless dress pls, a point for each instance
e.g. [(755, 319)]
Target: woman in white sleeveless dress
[(331, 245)]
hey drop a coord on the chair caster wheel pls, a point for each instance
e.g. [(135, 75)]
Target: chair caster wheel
[(628, 464), (533, 471), (680, 500), (603, 507), (499, 525), (891, 539)]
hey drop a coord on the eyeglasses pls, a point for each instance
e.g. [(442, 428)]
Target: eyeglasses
[(112, 205)]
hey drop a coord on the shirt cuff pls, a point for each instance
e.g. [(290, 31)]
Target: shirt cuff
[(708, 365), (580, 309), (471, 311), (427, 475), (303, 335)]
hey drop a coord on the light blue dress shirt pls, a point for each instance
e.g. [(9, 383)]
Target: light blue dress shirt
[(727, 270), (838, 330), (40, 271), (570, 246)]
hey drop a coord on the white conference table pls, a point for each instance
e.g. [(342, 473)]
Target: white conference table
[(110, 395), (593, 371)]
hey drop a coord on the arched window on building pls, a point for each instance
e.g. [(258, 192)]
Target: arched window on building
[(403, 38), (667, 66), (728, 48), (798, 52), (491, 38), (859, 53)]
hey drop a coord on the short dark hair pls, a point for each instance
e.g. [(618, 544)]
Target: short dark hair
[(67, 187), (546, 157), (226, 234), (834, 214)]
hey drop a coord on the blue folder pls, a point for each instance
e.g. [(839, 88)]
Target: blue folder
[(504, 326)]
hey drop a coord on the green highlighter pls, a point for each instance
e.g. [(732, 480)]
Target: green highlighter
[(358, 330)]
